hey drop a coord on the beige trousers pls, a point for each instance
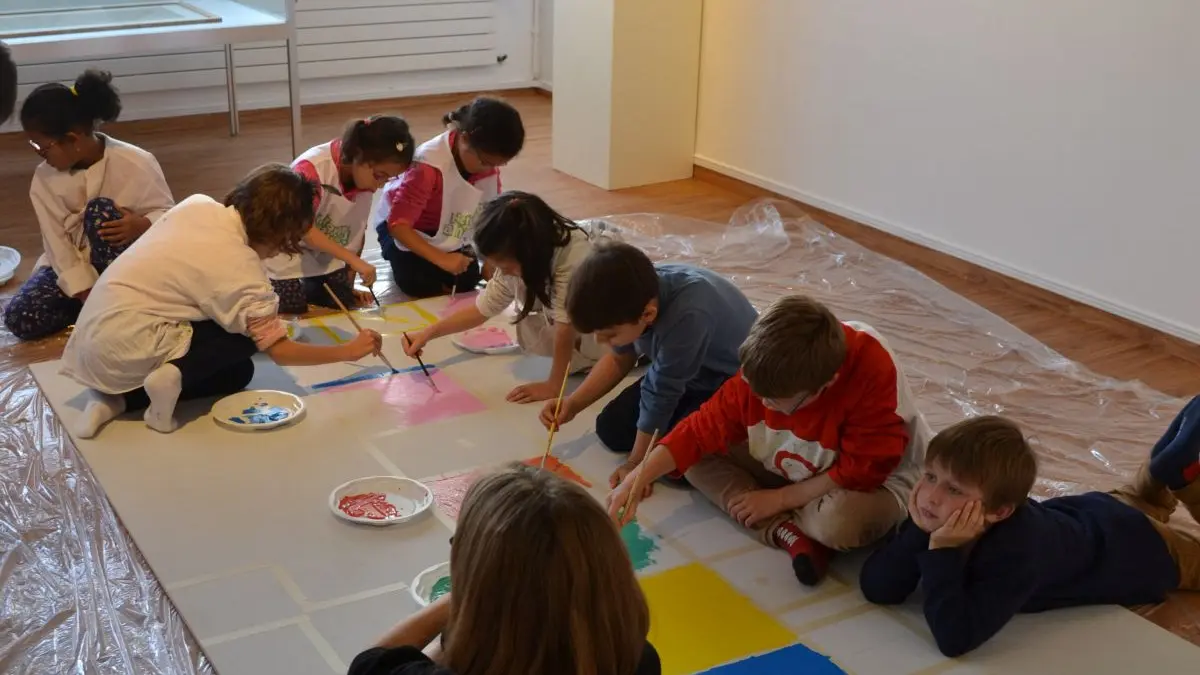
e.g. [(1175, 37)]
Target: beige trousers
[(535, 334), (841, 520), (1158, 503)]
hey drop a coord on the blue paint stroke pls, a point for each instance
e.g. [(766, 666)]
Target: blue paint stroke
[(262, 414), (367, 375), (786, 661)]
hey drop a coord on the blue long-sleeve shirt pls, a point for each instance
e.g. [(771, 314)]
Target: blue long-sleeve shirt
[(1089, 549), (693, 343)]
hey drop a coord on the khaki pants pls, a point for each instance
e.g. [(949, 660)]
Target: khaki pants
[(535, 334), (841, 520), (1154, 499)]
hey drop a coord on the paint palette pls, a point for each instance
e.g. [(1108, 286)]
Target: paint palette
[(485, 340), (431, 584), (258, 410), (10, 259), (380, 500)]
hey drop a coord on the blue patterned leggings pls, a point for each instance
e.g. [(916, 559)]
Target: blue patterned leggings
[(40, 308)]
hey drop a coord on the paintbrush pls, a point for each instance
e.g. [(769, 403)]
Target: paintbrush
[(554, 424), (636, 487), (356, 326), (419, 361), (376, 299)]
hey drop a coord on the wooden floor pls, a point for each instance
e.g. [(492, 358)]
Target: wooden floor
[(197, 155)]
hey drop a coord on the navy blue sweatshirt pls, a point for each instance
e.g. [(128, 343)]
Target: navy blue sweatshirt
[(1088, 549), (693, 344)]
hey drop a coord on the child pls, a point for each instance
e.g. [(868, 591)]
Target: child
[(686, 320), (349, 169), (8, 83), (534, 251), (542, 585), (93, 196), (983, 551), (181, 314), (834, 439), (423, 217)]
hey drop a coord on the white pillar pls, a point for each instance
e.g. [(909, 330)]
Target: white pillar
[(625, 86)]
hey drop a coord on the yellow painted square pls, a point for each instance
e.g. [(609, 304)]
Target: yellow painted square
[(698, 621), (390, 320)]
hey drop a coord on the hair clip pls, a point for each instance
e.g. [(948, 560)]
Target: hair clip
[(400, 147), (73, 92)]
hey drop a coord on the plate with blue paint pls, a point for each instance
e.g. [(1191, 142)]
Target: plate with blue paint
[(431, 584), (258, 410)]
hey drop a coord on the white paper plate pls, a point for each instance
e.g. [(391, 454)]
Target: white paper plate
[(380, 500), (426, 583), (476, 341), (258, 410), (10, 259)]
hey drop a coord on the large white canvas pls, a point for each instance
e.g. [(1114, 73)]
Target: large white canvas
[(237, 528)]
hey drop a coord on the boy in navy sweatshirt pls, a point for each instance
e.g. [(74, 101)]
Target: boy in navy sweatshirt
[(983, 551), (687, 321)]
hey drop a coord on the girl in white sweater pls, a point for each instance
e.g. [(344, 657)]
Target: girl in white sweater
[(182, 312), (93, 196)]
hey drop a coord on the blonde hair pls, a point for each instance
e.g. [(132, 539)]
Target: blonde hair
[(543, 584)]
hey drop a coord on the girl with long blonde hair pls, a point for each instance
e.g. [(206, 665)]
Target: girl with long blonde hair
[(542, 585)]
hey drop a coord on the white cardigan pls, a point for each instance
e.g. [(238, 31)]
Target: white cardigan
[(126, 174)]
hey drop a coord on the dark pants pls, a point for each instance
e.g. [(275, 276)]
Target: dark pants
[(295, 295), (40, 308), (216, 364), (416, 277), (616, 425)]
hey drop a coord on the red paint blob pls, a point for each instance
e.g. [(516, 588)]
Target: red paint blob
[(371, 505)]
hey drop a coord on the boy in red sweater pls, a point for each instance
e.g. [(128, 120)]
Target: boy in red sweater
[(815, 445)]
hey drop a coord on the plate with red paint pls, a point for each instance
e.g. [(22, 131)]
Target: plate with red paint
[(380, 500)]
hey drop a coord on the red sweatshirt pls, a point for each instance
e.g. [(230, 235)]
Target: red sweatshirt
[(864, 430)]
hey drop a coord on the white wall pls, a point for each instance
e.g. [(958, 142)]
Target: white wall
[(1058, 142), (349, 50), (545, 39)]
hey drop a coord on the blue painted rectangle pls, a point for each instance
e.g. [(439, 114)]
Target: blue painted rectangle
[(792, 660)]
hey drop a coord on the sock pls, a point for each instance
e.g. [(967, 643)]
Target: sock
[(810, 559), (100, 410), (163, 387), (1175, 459)]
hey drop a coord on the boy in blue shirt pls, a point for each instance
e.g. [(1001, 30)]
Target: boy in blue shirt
[(983, 551), (687, 321)]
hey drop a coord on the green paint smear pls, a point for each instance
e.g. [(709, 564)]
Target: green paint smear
[(640, 545), (440, 588)]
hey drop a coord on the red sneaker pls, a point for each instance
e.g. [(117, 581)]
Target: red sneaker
[(810, 559)]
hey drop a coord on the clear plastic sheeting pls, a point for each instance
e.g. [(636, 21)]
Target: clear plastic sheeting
[(78, 598)]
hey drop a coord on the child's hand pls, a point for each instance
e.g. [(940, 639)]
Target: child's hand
[(126, 230), (363, 298), (533, 392), (366, 271), (415, 344), (964, 526), (454, 263), (621, 508), (622, 473), (753, 507), (566, 413), (367, 342)]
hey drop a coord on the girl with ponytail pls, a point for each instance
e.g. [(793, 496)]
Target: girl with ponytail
[(534, 251), (423, 219), (93, 195), (347, 171)]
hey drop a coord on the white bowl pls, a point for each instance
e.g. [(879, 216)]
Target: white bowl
[(426, 583), (380, 500), (258, 410), (10, 259)]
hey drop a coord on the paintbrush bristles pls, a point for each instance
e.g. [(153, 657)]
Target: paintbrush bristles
[(554, 424), (356, 324)]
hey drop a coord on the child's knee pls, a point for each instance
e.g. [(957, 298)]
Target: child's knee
[(24, 319), (99, 211), (839, 525)]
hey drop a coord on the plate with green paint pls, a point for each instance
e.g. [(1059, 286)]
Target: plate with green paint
[(431, 584)]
